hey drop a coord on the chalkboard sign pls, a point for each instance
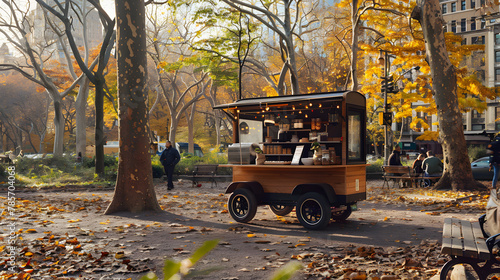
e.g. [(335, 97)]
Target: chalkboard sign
[(297, 155)]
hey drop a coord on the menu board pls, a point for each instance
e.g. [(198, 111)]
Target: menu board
[(297, 155)]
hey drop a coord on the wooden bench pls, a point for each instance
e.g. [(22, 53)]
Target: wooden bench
[(399, 173), (204, 172), (467, 243)]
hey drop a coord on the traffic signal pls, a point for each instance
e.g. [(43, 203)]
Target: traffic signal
[(388, 85), (385, 118), (383, 88)]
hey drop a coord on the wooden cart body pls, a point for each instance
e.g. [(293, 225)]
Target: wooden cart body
[(283, 184), (343, 123)]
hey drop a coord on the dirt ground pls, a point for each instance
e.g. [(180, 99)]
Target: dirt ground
[(66, 236)]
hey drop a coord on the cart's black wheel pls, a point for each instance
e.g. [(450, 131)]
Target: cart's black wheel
[(242, 205), (280, 210), (459, 269), (313, 211), (342, 215)]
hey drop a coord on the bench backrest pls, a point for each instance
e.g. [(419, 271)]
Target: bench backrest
[(396, 169), (205, 169)]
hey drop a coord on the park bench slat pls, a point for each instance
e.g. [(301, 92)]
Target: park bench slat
[(456, 241), (483, 252), (470, 249), (468, 236), (446, 247)]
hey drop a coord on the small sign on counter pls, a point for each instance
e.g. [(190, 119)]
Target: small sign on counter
[(297, 155)]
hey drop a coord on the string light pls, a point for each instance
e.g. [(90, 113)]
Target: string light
[(310, 104), (300, 112), (320, 105), (306, 116)]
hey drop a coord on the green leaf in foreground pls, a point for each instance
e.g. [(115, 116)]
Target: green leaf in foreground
[(149, 276), (287, 271), (203, 250)]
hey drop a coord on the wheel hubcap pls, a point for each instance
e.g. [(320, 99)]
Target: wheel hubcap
[(240, 206), (278, 207), (311, 211)]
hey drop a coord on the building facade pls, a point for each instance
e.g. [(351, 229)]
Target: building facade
[(477, 22)]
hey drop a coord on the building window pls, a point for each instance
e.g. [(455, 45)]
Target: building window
[(445, 28), (463, 25), (483, 23), (454, 26), (476, 114), (462, 3), (444, 8), (472, 4), (497, 74), (472, 23), (497, 56), (483, 40), (477, 127), (497, 38), (453, 7), (464, 41), (482, 3)]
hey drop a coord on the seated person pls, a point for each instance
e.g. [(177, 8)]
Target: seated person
[(395, 157), (432, 165), (417, 164)]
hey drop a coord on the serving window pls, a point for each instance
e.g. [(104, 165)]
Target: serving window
[(355, 135)]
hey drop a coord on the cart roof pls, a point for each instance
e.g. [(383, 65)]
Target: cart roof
[(337, 95)]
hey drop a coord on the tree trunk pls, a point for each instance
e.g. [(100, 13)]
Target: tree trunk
[(100, 138), (190, 122), (134, 190), (81, 118), (217, 128), (354, 45), (457, 173), (173, 130), (58, 125), (2, 150)]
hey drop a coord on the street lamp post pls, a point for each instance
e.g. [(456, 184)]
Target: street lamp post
[(384, 59)]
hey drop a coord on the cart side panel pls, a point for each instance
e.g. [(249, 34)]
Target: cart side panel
[(355, 180), (345, 180)]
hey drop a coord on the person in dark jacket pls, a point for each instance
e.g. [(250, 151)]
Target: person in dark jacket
[(493, 150), (395, 157), (417, 164), (169, 158)]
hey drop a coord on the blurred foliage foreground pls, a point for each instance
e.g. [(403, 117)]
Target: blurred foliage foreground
[(65, 170)]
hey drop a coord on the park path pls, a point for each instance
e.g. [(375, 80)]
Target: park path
[(395, 231)]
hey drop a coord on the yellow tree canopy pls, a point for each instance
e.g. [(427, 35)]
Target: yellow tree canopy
[(391, 32)]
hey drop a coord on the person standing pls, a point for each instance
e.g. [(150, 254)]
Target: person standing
[(169, 158), (432, 165), (493, 150), (395, 157)]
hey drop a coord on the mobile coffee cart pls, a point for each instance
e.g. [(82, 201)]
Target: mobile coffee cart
[(285, 128)]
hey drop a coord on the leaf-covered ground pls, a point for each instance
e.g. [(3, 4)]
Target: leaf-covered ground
[(63, 234)]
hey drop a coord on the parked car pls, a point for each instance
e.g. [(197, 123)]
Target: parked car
[(182, 147), (480, 169)]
